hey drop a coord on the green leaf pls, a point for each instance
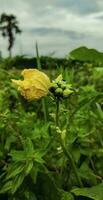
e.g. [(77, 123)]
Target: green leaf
[(9, 141), (29, 148), (76, 153), (67, 196), (6, 187), (95, 192), (18, 155), (86, 173), (28, 167), (14, 170), (17, 182), (38, 157), (34, 173), (99, 112), (85, 54)]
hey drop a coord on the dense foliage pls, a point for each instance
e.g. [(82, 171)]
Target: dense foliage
[(34, 164)]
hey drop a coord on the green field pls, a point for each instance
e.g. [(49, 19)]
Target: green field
[(51, 148)]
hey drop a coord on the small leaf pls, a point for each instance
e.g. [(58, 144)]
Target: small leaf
[(99, 112), (34, 173), (28, 167), (29, 148)]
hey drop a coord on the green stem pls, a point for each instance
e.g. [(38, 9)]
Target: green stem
[(45, 109), (44, 101), (69, 156), (67, 153), (57, 111)]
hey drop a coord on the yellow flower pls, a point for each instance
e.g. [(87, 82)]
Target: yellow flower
[(35, 84)]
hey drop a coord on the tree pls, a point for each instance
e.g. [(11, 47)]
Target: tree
[(9, 27)]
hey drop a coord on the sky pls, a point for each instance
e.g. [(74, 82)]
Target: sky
[(58, 26)]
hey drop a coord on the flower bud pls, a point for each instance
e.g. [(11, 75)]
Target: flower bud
[(63, 85), (67, 92), (58, 91), (63, 134), (54, 85), (58, 130), (59, 88)]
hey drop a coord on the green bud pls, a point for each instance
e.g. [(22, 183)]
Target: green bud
[(59, 149), (63, 134), (58, 130), (57, 81), (67, 92), (59, 91), (54, 85), (52, 115), (63, 85)]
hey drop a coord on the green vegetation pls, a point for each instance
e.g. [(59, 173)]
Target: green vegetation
[(85, 54), (52, 149)]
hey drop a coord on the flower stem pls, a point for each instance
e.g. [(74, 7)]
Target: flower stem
[(67, 153), (57, 112), (45, 109), (69, 156)]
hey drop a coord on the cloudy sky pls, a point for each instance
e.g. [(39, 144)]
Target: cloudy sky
[(57, 25)]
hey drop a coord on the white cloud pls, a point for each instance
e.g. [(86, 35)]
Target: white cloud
[(83, 20)]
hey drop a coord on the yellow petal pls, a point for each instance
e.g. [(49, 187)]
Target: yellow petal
[(32, 94), (35, 84), (39, 78)]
